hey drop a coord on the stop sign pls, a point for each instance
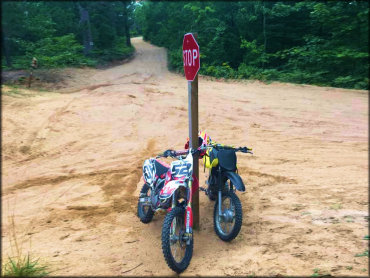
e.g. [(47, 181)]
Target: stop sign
[(190, 55)]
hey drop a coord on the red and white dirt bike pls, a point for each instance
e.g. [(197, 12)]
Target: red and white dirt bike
[(170, 188)]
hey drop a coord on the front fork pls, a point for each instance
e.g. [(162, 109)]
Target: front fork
[(219, 183), (188, 235), (189, 214)]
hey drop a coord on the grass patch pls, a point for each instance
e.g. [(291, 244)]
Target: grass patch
[(20, 91), (297, 207), (24, 267), (363, 254), (13, 91), (18, 264), (349, 219), (336, 206), (316, 273), (349, 267), (320, 273)]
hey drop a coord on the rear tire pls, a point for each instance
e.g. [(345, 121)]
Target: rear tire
[(211, 193), (178, 267), (145, 215), (238, 217)]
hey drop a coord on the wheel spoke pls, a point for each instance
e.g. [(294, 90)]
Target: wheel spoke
[(183, 251), (226, 223), (178, 247), (175, 252), (173, 227)]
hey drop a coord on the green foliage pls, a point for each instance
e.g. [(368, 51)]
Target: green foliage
[(255, 54), (247, 71), (24, 267), (118, 50), (53, 52), (314, 42), (54, 33), (363, 254), (57, 51), (315, 273), (175, 62), (319, 273), (223, 70)]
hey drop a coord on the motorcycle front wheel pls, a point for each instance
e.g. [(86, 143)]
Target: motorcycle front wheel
[(228, 225), (175, 249)]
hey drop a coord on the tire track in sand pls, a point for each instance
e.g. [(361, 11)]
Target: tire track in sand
[(41, 133)]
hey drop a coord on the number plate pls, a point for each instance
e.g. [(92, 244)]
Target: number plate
[(179, 170)]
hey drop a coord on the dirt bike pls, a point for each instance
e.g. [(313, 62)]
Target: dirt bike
[(222, 181), (170, 188)]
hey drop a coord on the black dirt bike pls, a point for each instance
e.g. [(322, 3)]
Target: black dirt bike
[(222, 181)]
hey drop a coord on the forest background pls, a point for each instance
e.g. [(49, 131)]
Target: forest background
[(313, 42)]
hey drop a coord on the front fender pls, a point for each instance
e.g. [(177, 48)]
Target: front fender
[(168, 190), (236, 180)]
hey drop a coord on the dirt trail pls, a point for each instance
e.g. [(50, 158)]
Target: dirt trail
[(72, 170)]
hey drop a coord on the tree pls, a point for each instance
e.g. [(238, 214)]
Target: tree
[(4, 43), (316, 42), (126, 20), (55, 31), (86, 29)]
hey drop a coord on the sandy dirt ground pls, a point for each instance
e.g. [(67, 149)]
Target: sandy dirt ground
[(72, 158)]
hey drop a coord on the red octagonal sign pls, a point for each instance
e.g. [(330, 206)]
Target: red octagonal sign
[(190, 55)]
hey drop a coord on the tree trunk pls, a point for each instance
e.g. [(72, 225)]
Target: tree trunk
[(86, 29), (125, 18), (89, 36), (264, 33), (5, 49)]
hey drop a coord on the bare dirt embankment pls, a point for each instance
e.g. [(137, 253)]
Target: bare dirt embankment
[(72, 170)]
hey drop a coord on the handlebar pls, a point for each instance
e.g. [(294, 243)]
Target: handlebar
[(167, 153), (244, 150), (174, 154), (240, 149)]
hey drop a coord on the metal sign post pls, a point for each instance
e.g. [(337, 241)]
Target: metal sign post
[(191, 59), (193, 140)]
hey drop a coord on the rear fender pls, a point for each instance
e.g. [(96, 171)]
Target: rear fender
[(236, 180)]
